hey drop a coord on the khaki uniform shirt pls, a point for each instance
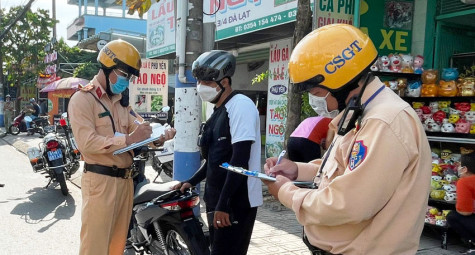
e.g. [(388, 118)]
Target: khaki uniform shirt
[(92, 127), (374, 186), (8, 107)]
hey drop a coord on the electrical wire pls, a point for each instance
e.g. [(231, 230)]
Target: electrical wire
[(217, 9)]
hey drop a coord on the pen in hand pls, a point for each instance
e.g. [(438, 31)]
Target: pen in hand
[(281, 156)]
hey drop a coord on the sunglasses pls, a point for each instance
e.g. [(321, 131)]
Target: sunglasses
[(129, 77)]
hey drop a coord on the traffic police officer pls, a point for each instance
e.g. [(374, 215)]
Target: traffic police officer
[(102, 122), (373, 182)]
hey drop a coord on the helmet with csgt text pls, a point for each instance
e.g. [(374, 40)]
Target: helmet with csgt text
[(214, 65), (122, 55), (331, 56)]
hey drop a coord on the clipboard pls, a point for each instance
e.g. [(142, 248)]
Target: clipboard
[(157, 131), (257, 174)]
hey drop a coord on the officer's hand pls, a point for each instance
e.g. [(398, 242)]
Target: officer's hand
[(182, 186), (286, 168), (221, 219), (142, 132), (274, 187), (169, 134)]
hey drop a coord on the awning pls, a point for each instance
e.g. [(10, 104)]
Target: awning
[(65, 83)]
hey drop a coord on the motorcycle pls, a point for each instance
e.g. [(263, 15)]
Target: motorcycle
[(162, 159), (36, 126), (57, 156), (164, 223)]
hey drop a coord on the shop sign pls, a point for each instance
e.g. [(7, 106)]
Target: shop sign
[(149, 91), (61, 94), (51, 57), (389, 24), (43, 82), (333, 11), (237, 17), (277, 96), (161, 29), (26, 93)]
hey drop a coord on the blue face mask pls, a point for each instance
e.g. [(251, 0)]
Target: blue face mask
[(121, 84)]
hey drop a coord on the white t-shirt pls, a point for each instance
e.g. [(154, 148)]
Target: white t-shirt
[(245, 126)]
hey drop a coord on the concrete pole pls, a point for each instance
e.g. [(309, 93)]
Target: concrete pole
[(54, 17), (189, 38)]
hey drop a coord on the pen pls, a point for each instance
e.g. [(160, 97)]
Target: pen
[(281, 155)]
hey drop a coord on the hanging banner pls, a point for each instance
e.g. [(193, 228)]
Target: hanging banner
[(389, 24), (161, 29), (149, 92), (333, 11), (234, 18), (277, 96)]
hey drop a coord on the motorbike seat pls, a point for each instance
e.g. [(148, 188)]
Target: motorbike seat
[(150, 191)]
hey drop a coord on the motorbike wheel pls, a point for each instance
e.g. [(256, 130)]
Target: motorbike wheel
[(177, 241), (168, 168), (62, 183), (14, 130)]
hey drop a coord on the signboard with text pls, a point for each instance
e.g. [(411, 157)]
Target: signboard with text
[(234, 18), (333, 11), (149, 91), (161, 29), (278, 84)]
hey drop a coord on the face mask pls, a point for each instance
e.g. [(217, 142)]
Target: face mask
[(121, 84), (319, 105), (207, 93)]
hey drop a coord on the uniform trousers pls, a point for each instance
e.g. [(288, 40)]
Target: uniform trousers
[(8, 119), (106, 210), (233, 240)]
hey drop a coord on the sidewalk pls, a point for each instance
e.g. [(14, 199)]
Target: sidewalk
[(276, 230)]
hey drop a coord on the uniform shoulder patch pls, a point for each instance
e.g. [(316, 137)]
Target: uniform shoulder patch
[(86, 88), (358, 154)]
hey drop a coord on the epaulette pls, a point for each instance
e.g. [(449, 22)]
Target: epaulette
[(86, 88)]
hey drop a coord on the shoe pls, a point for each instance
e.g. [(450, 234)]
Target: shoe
[(469, 252)]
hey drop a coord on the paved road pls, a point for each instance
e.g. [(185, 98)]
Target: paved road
[(42, 221)]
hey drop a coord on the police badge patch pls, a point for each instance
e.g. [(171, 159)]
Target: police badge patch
[(358, 154)]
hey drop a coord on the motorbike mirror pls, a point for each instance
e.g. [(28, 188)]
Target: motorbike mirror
[(166, 108), (62, 122), (64, 115)]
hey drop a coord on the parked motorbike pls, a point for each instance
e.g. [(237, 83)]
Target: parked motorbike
[(162, 159), (36, 126), (164, 223), (56, 156)]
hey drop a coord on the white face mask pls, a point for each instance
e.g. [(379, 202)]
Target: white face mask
[(319, 105), (207, 93)]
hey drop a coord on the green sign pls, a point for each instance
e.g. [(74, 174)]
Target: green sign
[(389, 24)]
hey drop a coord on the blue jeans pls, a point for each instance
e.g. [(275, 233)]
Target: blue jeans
[(33, 117)]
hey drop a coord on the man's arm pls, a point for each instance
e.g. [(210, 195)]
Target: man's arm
[(345, 199), (240, 158)]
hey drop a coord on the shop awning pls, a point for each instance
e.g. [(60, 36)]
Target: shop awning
[(65, 83)]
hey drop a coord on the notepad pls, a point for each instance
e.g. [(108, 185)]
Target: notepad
[(157, 131)]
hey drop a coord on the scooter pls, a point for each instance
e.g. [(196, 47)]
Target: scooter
[(36, 126), (163, 220), (55, 156)]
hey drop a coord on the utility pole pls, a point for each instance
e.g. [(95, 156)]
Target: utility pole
[(189, 37)]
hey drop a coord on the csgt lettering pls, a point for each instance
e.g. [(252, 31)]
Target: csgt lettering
[(340, 60)]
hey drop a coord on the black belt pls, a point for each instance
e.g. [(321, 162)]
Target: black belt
[(313, 249), (113, 171)]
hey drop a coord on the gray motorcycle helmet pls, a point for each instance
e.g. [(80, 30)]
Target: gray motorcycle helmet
[(214, 65)]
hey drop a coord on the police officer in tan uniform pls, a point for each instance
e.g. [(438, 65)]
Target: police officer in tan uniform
[(102, 122), (373, 181)]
